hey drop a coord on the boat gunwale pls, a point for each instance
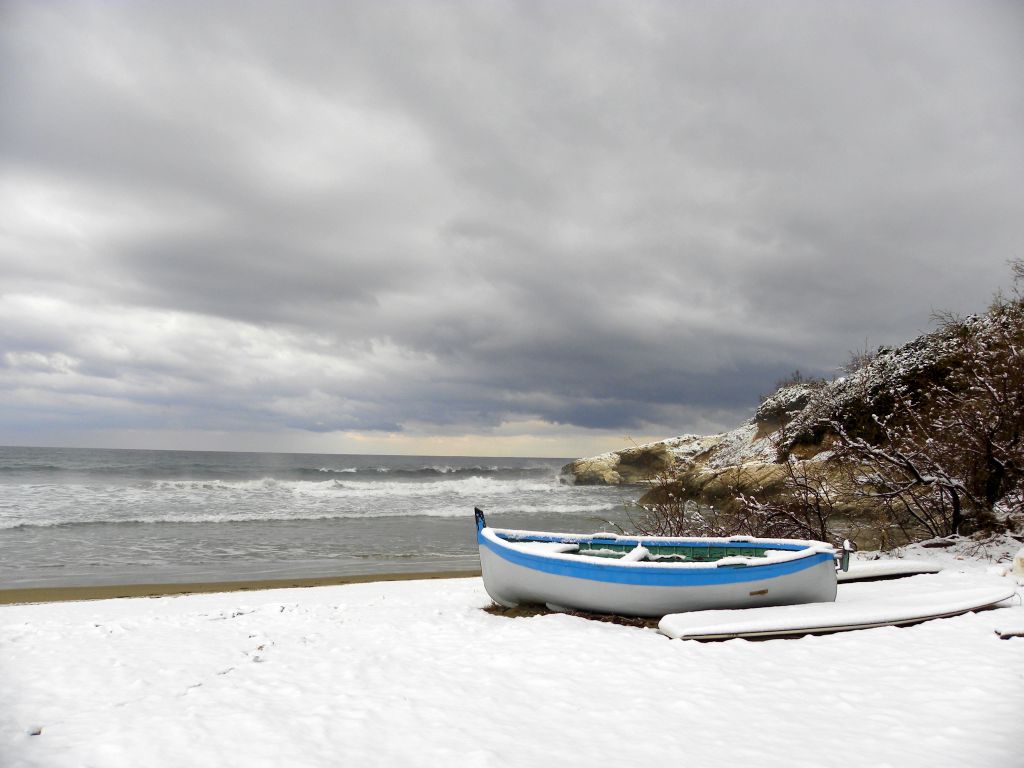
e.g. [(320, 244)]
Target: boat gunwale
[(668, 540), (795, 549)]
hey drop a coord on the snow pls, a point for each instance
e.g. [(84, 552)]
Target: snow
[(738, 447), (417, 673), (854, 606), (639, 552), (874, 569), (543, 546)]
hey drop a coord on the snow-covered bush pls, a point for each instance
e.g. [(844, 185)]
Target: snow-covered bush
[(949, 453), (919, 441)]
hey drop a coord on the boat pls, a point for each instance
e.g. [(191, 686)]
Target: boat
[(652, 576)]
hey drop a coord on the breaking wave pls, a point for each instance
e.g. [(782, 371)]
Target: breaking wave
[(345, 496)]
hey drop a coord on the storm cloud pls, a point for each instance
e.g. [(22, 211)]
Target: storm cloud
[(349, 221)]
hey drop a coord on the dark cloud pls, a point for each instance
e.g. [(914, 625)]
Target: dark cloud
[(450, 216)]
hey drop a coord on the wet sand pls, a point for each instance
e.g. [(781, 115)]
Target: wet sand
[(108, 591)]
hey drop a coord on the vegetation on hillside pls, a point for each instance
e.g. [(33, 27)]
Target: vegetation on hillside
[(922, 441)]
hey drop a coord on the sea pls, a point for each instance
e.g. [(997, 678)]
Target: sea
[(81, 517)]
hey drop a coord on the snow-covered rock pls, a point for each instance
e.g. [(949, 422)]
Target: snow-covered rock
[(645, 462)]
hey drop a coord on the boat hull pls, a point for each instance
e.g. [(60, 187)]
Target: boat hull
[(513, 576)]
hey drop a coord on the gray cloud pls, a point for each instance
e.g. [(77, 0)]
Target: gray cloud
[(450, 216)]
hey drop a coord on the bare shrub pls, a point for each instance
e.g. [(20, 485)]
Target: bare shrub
[(860, 358), (906, 479), (670, 511), (807, 507), (796, 378), (947, 455)]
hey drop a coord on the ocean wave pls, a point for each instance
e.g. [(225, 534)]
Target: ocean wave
[(363, 488), (30, 468), (342, 496), (181, 517), (428, 471)]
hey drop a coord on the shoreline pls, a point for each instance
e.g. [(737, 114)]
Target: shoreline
[(115, 591)]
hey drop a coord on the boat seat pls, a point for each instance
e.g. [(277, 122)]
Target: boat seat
[(635, 555)]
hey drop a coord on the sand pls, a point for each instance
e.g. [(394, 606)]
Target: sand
[(108, 591)]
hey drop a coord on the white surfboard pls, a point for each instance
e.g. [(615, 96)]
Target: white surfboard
[(871, 570), (821, 618)]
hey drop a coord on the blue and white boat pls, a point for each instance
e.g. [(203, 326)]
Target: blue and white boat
[(651, 576)]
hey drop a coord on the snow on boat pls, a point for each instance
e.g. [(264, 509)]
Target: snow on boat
[(877, 570), (824, 618), (650, 575)]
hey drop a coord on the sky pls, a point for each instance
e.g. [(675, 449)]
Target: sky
[(483, 228)]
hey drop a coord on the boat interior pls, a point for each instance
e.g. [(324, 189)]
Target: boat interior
[(689, 552), (670, 553)]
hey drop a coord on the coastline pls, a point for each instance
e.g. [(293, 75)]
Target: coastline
[(114, 591)]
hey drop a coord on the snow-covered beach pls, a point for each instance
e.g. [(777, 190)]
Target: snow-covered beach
[(418, 673)]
